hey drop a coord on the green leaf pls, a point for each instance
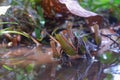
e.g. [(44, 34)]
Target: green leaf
[(8, 23), (14, 32), (7, 67), (19, 76), (37, 33), (40, 12), (107, 58), (68, 49), (29, 68)]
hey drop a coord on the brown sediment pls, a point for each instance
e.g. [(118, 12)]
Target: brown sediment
[(25, 56)]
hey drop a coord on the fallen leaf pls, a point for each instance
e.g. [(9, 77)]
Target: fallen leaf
[(74, 7)]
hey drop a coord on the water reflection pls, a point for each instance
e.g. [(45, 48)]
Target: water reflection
[(81, 69), (114, 71)]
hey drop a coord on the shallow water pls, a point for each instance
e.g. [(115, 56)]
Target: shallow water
[(46, 69)]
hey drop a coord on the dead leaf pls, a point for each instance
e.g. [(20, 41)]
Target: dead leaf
[(74, 7)]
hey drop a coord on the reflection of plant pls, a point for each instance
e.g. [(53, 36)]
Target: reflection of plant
[(21, 73)]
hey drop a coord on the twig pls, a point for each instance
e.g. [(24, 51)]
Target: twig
[(109, 36)]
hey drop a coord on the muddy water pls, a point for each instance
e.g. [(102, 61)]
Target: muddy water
[(25, 56), (48, 69)]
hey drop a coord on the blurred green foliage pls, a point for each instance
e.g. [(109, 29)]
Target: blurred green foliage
[(39, 20), (95, 5), (107, 58), (102, 5)]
